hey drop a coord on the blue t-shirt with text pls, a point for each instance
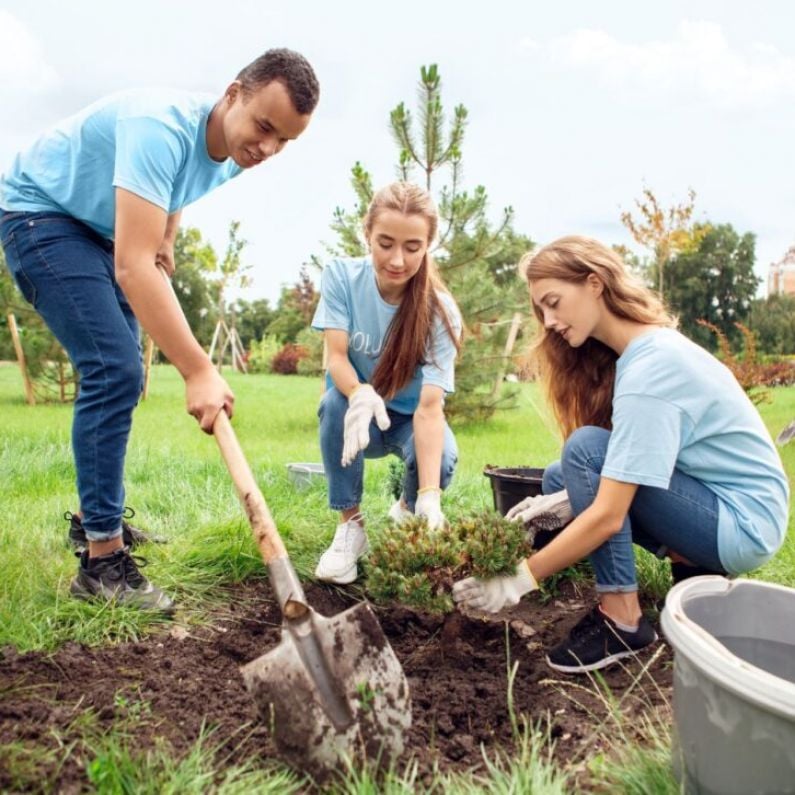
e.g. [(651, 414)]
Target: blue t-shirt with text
[(350, 301), (151, 142), (675, 406)]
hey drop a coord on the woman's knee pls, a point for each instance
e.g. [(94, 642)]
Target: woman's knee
[(585, 444), (552, 479), (449, 462), (581, 464), (332, 408)]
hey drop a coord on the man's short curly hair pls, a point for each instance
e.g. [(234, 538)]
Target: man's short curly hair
[(289, 68)]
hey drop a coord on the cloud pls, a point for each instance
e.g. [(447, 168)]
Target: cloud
[(698, 63), (23, 65)]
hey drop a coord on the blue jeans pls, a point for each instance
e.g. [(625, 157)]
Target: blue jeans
[(345, 483), (66, 271), (682, 518)]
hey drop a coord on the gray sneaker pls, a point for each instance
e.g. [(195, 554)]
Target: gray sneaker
[(115, 577)]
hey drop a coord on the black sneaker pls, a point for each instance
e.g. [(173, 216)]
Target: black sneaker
[(115, 577), (684, 571), (595, 642), (132, 536)]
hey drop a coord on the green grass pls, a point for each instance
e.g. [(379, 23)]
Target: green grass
[(117, 768), (178, 485), (180, 488)]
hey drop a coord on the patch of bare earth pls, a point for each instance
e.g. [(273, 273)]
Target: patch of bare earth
[(173, 683)]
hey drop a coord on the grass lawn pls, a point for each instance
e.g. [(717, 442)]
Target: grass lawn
[(180, 489)]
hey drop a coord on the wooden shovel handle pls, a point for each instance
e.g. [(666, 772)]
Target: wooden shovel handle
[(266, 535)]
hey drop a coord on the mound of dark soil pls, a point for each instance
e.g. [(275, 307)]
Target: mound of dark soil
[(173, 683)]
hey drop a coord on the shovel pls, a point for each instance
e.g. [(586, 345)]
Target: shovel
[(332, 689)]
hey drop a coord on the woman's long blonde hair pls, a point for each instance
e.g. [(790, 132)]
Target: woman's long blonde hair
[(579, 381), (409, 335)]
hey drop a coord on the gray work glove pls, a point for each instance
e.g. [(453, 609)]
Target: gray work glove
[(364, 405), (429, 507), (557, 505), (493, 594)]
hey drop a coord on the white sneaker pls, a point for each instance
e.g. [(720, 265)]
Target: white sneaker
[(398, 514), (338, 563)]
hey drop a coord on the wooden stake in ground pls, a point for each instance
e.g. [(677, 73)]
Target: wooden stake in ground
[(150, 349), (12, 324), (509, 343), (226, 338)]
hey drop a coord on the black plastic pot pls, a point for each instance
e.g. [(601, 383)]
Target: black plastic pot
[(512, 485)]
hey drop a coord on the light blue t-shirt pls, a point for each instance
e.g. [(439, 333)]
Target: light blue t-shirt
[(350, 301), (676, 406), (151, 142)]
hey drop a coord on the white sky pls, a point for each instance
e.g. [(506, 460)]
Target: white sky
[(573, 106)]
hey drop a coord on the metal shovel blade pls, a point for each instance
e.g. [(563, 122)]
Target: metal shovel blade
[(332, 690)]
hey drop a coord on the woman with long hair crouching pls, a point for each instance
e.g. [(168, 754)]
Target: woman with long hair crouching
[(663, 449), (392, 335)]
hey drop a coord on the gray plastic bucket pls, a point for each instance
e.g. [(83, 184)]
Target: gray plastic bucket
[(734, 685), (304, 475)]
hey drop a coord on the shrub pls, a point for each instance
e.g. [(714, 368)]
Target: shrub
[(416, 566), (777, 373), (312, 342), (285, 362), (746, 369), (261, 353)]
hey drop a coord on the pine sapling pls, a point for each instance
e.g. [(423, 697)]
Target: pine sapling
[(416, 566)]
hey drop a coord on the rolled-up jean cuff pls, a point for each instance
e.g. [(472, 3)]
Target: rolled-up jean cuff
[(616, 588), (92, 535), (341, 506)]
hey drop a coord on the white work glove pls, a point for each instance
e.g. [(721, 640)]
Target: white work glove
[(556, 504), (363, 405), (492, 595), (429, 508)]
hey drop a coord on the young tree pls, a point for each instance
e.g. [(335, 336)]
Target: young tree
[(475, 256), (664, 232), (231, 274), (199, 282)]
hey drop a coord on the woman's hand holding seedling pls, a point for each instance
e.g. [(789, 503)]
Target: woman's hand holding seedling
[(531, 507), (364, 404), (494, 594), (428, 506)]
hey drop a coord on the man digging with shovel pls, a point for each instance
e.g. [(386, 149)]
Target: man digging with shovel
[(85, 215)]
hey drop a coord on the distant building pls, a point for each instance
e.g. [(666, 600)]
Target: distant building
[(781, 276)]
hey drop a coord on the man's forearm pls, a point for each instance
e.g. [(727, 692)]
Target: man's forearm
[(157, 309)]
